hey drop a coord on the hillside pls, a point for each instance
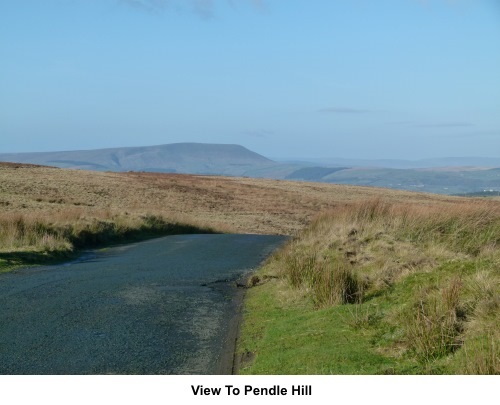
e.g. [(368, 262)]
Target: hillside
[(49, 210), (236, 160), (171, 158), (486, 162), (449, 180)]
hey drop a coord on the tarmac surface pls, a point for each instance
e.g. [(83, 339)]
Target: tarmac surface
[(164, 306)]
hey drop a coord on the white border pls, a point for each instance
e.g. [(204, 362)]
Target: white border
[(350, 390)]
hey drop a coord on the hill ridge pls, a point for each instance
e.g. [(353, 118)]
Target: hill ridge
[(187, 157)]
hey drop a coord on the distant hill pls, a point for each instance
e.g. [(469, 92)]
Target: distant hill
[(442, 176), (429, 180), (405, 164), (313, 173), (172, 158)]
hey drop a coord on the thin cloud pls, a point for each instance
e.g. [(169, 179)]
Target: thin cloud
[(427, 3), (476, 134), (147, 5), (400, 123), (445, 125), (205, 9), (343, 110), (432, 124), (258, 4), (202, 8), (263, 133)]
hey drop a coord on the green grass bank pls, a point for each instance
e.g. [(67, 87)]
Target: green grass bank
[(379, 288)]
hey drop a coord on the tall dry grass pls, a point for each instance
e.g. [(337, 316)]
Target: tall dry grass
[(329, 281), (76, 228), (434, 322), (243, 204)]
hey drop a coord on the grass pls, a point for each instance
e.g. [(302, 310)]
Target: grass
[(229, 204), (414, 288), (35, 240), (290, 336)]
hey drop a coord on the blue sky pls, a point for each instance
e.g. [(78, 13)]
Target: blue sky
[(403, 79)]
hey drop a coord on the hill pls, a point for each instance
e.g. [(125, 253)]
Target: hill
[(442, 181), (449, 180), (486, 162), (244, 205), (236, 160), (171, 158)]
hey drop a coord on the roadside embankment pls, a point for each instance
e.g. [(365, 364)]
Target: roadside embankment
[(32, 239), (380, 288)]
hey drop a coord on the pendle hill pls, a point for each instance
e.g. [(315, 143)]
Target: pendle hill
[(476, 176)]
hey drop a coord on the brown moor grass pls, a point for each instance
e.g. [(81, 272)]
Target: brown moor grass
[(229, 204)]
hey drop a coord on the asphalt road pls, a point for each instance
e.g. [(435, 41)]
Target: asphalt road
[(164, 306)]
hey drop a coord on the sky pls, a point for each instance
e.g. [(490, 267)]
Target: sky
[(403, 79)]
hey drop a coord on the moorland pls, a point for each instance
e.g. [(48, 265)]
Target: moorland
[(442, 176)]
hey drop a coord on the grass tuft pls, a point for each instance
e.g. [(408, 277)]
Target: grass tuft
[(31, 239), (482, 355), (433, 324)]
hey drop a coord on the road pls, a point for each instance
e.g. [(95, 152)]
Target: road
[(163, 306)]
